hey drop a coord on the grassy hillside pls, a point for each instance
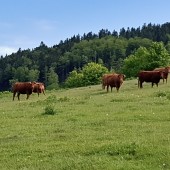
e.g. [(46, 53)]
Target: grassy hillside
[(92, 129)]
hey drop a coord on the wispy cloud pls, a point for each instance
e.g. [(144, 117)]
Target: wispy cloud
[(7, 50), (27, 34)]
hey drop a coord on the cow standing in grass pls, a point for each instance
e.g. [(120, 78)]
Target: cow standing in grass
[(114, 80), (104, 79), (165, 71), (39, 88), (23, 88), (149, 76)]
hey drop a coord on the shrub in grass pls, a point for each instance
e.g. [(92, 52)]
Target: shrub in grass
[(2, 94), (160, 94), (129, 149), (168, 96), (63, 99), (51, 98), (49, 110), (163, 94)]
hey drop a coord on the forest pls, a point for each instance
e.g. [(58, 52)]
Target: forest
[(117, 51)]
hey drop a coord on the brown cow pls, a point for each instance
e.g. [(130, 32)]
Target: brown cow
[(104, 79), (39, 88), (149, 76), (165, 71), (23, 88), (115, 80)]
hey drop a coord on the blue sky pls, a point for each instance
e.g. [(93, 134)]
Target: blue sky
[(25, 23)]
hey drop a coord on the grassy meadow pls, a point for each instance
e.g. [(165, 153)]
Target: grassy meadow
[(87, 128)]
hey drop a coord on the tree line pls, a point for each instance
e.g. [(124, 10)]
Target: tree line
[(113, 50)]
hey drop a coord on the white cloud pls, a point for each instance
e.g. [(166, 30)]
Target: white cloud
[(7, 50), (29, 36)]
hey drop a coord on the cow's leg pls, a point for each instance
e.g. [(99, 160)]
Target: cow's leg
[(18, 94), (111, 88), (27, 96), (44, 92), (163, 80), (117, 88), (14, 95), (107, 88), (141, 84), (152, 84)]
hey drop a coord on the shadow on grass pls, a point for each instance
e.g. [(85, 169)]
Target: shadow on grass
[(125, 151)]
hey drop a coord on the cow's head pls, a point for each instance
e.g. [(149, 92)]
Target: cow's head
[(167, 69), (122, 76), (162, 74), (33, 85)]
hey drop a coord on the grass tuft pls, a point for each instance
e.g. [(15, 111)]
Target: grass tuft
[(49, 110), (63, 99), (160, 94)]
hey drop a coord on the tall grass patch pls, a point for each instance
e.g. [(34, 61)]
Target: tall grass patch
[(49, 110)]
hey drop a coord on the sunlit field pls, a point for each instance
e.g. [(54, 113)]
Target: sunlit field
[(87, 128)]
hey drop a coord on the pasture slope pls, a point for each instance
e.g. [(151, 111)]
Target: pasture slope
[(91, 129)]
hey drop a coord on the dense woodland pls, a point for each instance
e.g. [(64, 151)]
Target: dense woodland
[(52, 65)]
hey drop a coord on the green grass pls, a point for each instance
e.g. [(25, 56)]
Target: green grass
[(87, 128)]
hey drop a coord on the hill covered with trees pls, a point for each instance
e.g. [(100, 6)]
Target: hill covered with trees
[(116, 51)]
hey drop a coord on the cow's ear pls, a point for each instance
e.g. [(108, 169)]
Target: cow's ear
[(119, 75)]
